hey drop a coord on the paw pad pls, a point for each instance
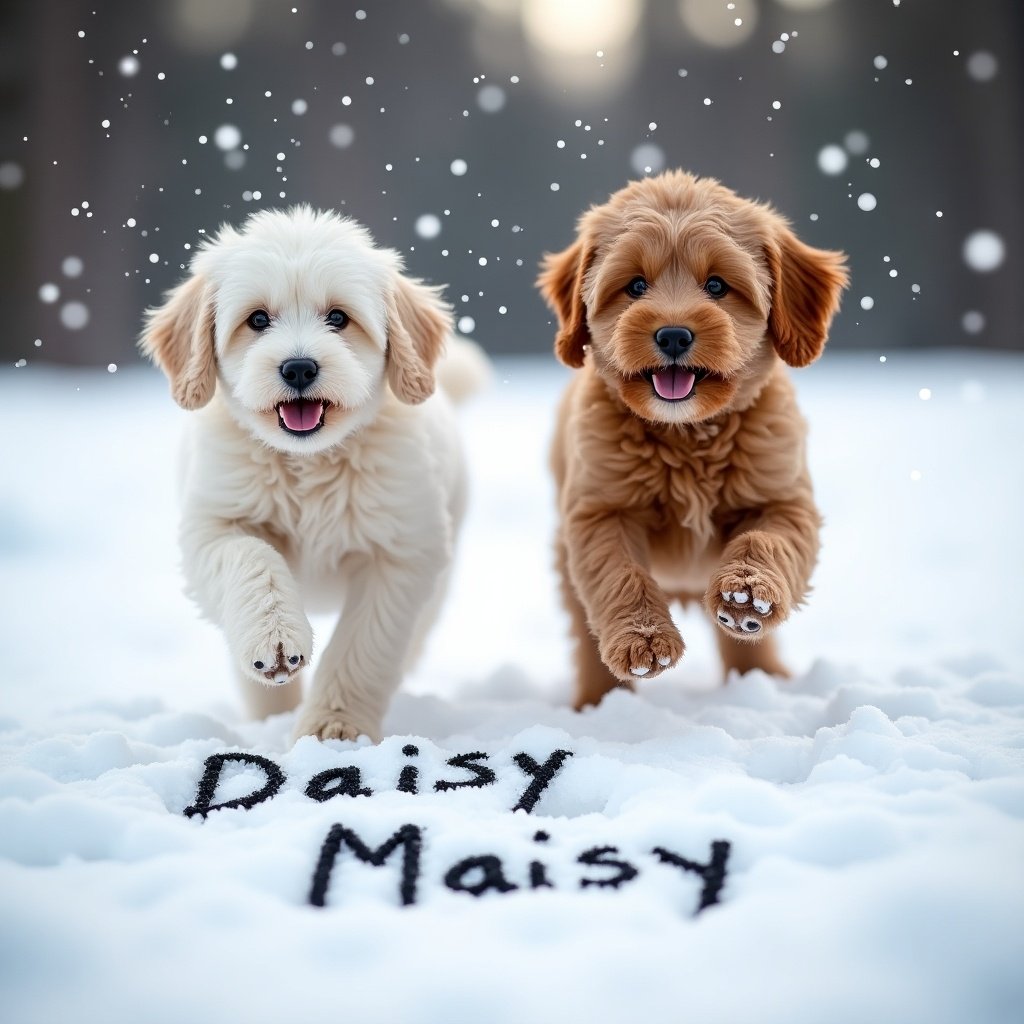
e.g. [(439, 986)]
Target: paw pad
[(742, 597), (280, 666), (743, 613)]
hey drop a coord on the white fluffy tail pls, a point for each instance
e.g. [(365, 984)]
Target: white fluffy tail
[(464, 369)]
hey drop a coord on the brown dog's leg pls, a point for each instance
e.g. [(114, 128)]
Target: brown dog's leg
[(593, 680), (744, 657), (626, 610)]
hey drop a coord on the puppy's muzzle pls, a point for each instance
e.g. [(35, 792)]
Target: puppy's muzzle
[(675, 383), (300, 416)]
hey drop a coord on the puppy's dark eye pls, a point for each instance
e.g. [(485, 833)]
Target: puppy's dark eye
[(637, 287), (715, 287), (259, 321), (337, 319)]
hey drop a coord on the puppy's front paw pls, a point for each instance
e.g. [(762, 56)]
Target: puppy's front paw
[(328, 724), (640, 651), (747, 601), (274, 651)]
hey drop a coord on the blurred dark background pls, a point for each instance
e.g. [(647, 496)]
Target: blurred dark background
[(469, 134)]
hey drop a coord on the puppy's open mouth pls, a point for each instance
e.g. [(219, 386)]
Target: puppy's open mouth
[(301, 416), (676, 383)]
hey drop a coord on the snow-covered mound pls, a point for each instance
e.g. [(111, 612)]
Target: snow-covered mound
[(844, 847)]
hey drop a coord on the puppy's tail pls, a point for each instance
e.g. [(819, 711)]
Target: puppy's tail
[(464, 369)]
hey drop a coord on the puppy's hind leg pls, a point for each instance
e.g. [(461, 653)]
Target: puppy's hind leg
[(745, 657), (456, 506), (593, 679), (740, 655), (425, 622), (262, 700), (362, 665)]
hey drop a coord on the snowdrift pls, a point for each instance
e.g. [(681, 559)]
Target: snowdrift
[(842, 846)]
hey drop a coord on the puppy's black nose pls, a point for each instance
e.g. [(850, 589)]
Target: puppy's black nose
[(299, 373), (673, 341)]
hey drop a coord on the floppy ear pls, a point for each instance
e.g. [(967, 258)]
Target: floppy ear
[(419, 321), (561, 284), (178, 337), (806, 286)]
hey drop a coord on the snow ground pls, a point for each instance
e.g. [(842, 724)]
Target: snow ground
[(873, 803)]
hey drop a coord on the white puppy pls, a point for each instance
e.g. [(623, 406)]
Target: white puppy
[(319, 468)]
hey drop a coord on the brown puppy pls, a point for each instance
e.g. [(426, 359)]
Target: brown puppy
[(679, 449)]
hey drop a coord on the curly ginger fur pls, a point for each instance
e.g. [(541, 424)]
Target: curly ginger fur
[(707, 498)]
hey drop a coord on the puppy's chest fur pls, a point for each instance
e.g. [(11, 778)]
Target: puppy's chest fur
[(309, 509), (691, 488), (678, 478), (678, 486), (690, 485), (376, 494)]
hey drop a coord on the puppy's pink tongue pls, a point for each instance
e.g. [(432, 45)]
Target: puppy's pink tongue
[(673, 382), (301, 414)]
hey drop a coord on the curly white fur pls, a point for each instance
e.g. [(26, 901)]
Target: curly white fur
[(360, 514)]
